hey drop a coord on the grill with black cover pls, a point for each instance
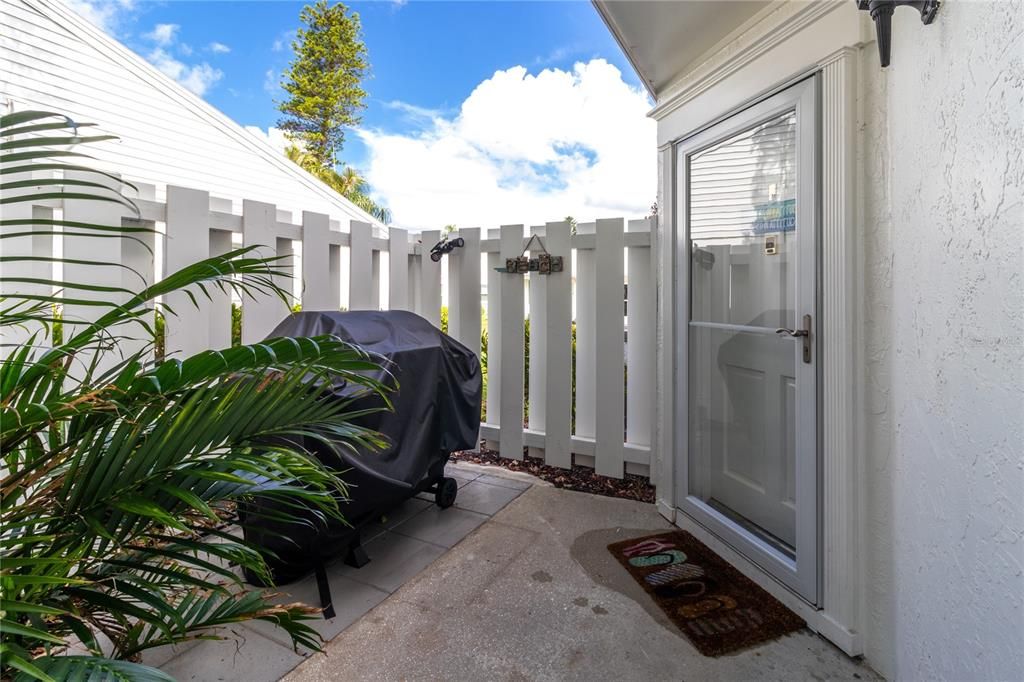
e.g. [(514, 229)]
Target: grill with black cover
[(436, 411)]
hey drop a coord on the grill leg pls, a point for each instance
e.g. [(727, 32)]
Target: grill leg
[(356, 557)]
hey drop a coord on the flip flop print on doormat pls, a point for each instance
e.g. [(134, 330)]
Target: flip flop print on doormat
[(718, 608)]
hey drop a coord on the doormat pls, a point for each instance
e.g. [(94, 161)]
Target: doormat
[(718, 608)]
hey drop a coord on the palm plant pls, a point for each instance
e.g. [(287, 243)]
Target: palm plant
[(118, 474), (349, 183)]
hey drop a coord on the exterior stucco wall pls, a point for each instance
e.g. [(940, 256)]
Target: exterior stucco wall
[(943, 308), (939, 366)]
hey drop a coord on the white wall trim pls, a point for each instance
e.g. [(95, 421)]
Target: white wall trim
[(768, 29), (840, 487), (663, 241)]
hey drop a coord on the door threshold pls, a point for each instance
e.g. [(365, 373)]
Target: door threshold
[(818, 620)]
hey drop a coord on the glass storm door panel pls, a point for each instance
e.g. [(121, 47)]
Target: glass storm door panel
[(748, 296)]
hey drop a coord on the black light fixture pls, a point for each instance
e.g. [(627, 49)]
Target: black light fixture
[(881, 12)]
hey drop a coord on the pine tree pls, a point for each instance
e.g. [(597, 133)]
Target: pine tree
[(324, 81)]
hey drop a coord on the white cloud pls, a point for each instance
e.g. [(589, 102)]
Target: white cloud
[(556, 55), (218, 48), (523, 148), (412, 110), (197, 77), (275, 137), (163, 34), (284, 40), (105, 14), (271, 86)]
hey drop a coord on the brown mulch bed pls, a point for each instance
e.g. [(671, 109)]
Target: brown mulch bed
[(580, 478)]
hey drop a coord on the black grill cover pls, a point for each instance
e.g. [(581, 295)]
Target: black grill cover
[(436, 411), (437, 400)]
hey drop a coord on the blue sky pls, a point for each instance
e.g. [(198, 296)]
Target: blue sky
[(426, 54), (478, 112)]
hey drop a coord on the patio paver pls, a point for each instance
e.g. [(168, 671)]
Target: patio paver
[(439, 527), (400, 546), (351, 600), (249, 657), (485, 498)]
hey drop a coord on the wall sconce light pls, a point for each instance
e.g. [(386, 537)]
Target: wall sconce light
[(881, 12)]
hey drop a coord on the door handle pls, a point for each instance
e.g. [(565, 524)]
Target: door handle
[(804, 334)]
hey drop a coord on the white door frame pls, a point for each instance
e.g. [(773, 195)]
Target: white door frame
[(800, 574)]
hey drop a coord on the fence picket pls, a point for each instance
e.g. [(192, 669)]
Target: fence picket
[(219, 317), (494, 283), (14, 272), (537, 286), (286, 262), (512, 350), (557, 378), (360, 271), (608, 347), (586, 363), (186, 331), (640, 341), (430, 279), (464, 290), (398, 269), (320, 290), (260, 315), (415, 277), (101, 250)]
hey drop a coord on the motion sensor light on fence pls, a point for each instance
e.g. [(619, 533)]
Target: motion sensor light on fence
[(881, 12)]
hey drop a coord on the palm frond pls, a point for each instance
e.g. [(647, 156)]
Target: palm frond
[(117, 474)]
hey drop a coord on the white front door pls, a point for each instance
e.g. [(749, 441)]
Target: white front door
[(747, 362)]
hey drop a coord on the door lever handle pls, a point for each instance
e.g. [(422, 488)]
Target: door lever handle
[(804, 334)]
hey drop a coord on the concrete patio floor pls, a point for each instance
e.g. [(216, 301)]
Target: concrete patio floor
[(513, 582), (532, 594)]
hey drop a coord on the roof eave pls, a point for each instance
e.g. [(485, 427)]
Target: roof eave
[(626, 50)]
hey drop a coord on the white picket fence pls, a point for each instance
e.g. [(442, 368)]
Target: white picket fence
[(615, 383)]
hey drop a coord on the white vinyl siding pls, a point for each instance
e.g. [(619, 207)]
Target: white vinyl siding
[(52, 59)]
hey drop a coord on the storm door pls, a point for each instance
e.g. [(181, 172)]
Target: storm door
[(747, 358)]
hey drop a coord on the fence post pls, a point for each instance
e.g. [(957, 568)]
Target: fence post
[(557, 379), (640, 343), (430, 279), (260, 315), (398, 269), (512, 350), (609, 350), (320, 291)]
